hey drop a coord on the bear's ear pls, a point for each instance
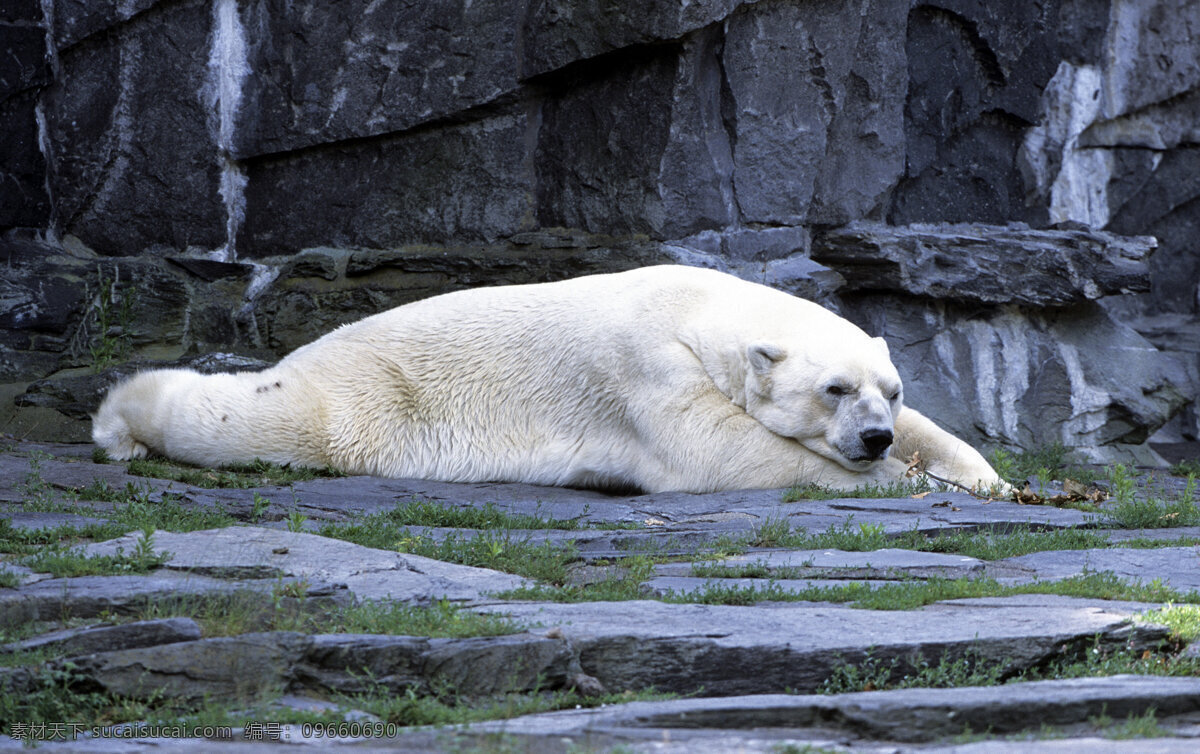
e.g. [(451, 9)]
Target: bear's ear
[(763, 356), (883, 346)]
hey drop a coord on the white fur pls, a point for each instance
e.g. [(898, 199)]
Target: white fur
[(663, 378)]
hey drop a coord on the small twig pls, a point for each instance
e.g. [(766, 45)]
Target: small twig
[(943, 480)]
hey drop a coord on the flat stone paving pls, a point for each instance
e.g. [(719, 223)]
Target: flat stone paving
[(748, 675)]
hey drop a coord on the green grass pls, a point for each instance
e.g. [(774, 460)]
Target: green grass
[(286, 609), (498, 550), (863, 537), (66, 563), (428, 513), (57, 695), (1092, 659), (19, 541), (895, 489), (1183, 620), (168, 514), (622, 584), (910, 595), (238, 476)]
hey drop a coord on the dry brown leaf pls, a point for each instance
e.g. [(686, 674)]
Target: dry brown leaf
[(921, 495), (915, 465)]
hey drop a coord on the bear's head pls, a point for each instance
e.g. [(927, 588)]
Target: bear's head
[(841, 404)]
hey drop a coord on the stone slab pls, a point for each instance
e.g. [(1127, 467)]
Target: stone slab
[(89, 639), (729, 650), (768, 722), (1176, 567), (90, 596), (251, 552)]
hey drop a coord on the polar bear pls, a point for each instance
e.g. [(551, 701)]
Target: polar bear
[(660, 378)]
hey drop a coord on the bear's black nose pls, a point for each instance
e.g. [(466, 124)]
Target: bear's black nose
[(876, 441)]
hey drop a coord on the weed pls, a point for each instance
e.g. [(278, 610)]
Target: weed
[(51, 695), (1046, 463), (1004, 462), (428, 513), (441, 619), (8, 579), (259, 508), (1189, 467), (968, 669), (19, 541), (1183, 620), (771, 532), (1135, 726), (1150, 512), (37, 494), (1122, 484), (295, 520), (759, 570), (112, 313), (872, 674), (288, 609)]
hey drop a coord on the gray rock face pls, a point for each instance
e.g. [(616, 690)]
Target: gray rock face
[(965, 263), (305, 135), (467, 183), (126, 124), (816, 97), (330, 73), (1026, 378)]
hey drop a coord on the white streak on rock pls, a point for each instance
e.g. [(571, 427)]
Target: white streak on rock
[(1075, 180), (981, 338), (228, 67), (46, 147), (1089, 404), (1014, 379)]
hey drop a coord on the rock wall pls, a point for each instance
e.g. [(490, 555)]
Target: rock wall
[(183, 176)]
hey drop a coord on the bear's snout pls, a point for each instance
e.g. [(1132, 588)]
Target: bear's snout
[(876, 441)]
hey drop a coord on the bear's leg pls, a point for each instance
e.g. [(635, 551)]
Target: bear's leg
[(947, 456)]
